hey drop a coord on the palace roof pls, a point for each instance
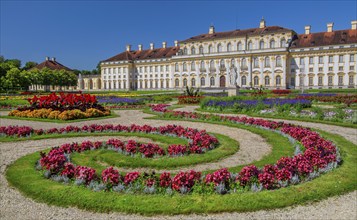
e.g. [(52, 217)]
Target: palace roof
[(51, 64), (325, 38), (156, 53), (237, 33)]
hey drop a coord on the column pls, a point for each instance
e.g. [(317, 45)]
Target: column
[(283, 77), (261, 67), (272, 64), (250, 77)]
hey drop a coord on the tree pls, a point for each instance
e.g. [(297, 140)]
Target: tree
[(29, 65), (14, 63), (13, 77)]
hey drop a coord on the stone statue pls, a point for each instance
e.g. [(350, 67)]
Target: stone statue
[(233, 76)]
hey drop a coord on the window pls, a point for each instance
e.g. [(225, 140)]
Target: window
[(320, 69), (161, 68), (150, 69), (202, 66), (212, 81), (278, 80), (156, 68), (330, 80), (185, 82), (340, 80), (261, 44), (267, 80), (229, 47), (184, 66), (201, 50), (167, 68), (210, 49), (350, 80), (211, 65), (320, 81), (239, 46), (203, 81), (292, 81), (352, 67), (219, 48), (352, 58), (244, 80), (256, 80), (193, 50), (330, 68), (244, 63), (221, 63), (278, 61), (250, 45), (283, 43), (302, 61), (256, 62), (267, 62), (311, 70), (340, 68), (330, 59), (321, 59), (185, 51), (311, 60), (176, 67), (311, 81), (193, 66), (177, 83), (340, 59), (193, 82), (272, 44)]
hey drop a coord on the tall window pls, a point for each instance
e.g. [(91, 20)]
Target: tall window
[(202, 66), (352, 58), (282, 42), (177, 83), (210, 49), (330, 78), (261, 44), (184, 66), (185, 82), (244, 62), (321, 59), (278, 61), (185, 51), (267, 62), (340, 80), (244, 80), (330, 59), (272, 44), (311, 60), (193, 82), (176, 67), (211, 81), (302, 61), (256, 62), (340, 59), (193, 50), (219, 48), (201, 50), (229, 47), (239, 46), (311, 81), (256, 80), (350, 80), (250, 45), (203, 81), (267, 80), (193, 66), (221, 63), (320, 81), (211, 65)]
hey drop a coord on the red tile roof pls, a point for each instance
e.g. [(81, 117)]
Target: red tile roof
[(325, 38), (144, 54), (53, 65), (237, 33)]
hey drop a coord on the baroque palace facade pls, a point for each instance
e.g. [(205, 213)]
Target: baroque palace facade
[(268, 56)]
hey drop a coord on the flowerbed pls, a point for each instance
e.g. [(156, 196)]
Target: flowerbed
[(119, 101), (347, 99), (189, 99), (63, 107), (281, 91)]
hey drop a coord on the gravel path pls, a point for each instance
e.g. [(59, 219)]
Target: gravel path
[(15, 206)]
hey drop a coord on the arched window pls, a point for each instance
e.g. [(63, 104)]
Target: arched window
[(261, 44), (244, 80), (239, 46), (202, 66), (219, 48), (244, 62), (184, 66), (250, 45), (256, 80), (267, 80), (193, 66), (278, 61), (193, 50), (211, 81), (267, 62), (278, 80), (211, 65), (210, 49), (185, 82), (203, 81), (272, 44), (221, 63), (233, 61), (229, 47), (282, 42), (201, 50), (256, 62), (176, 67), (185, 51), (193, 82), (177, 83)]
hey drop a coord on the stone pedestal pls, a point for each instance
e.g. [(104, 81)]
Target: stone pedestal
[(233, 91)]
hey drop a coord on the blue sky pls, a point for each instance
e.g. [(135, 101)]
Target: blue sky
[(81, 33)]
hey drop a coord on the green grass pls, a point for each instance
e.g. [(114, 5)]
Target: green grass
[(21, 174), (112, 115), (133, 92), (13, 102)]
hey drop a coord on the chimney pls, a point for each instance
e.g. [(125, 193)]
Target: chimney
[(47, 58), (128, 47), (54, 59), (211, 29), (176, 43), (140, 46), (354, 25), (329, 27), (164, 44), (262, 23), (151, 46), (307, 29)]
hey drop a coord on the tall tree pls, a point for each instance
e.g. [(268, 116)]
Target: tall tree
[(29, 65)]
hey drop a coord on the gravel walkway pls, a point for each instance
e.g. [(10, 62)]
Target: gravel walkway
[(15, 206)]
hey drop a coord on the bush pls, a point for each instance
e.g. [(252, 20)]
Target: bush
[(189, 99)]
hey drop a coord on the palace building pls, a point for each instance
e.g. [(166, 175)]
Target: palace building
[(268, 56)]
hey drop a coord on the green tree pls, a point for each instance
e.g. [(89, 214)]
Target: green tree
[(29, 65)]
